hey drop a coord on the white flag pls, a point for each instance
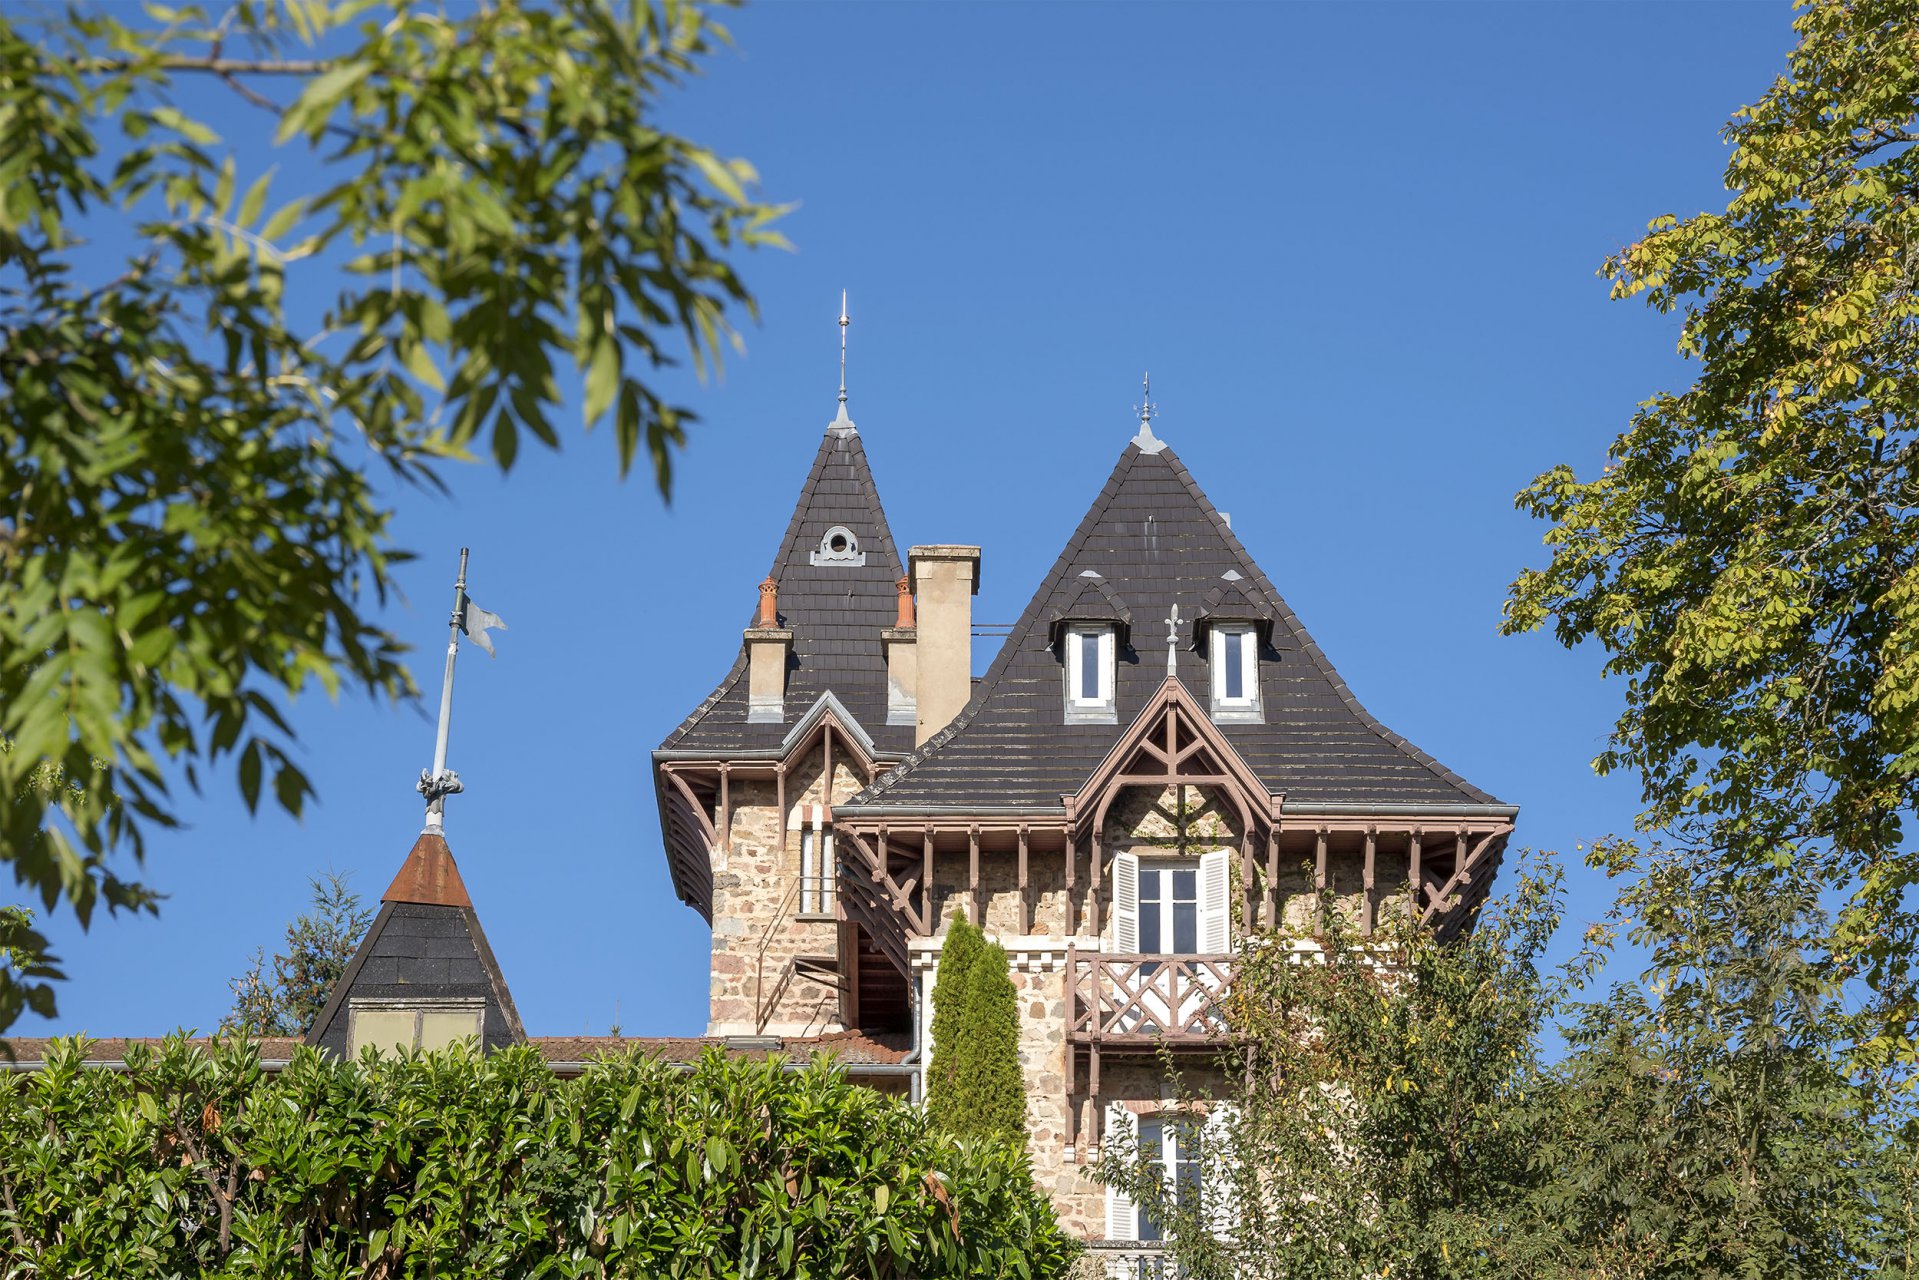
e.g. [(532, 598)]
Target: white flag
[(476, 622)]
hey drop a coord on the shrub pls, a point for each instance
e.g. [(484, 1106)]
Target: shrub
[(197, 1162)]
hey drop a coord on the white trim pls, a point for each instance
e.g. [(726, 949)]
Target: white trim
[(1215, 902), (1125, 902), (1248, 704), (1079, 707), (1122, 1141)]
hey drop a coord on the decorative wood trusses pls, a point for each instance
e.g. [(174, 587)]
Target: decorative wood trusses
[(1172, 742)]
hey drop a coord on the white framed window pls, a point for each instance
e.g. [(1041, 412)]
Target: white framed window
[(1235, 666), (400, 1026), (1171, 1142), (1172, 905), (818, 866), (1089, 673)]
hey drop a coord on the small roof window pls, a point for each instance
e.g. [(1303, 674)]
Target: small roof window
[(839, 545), (1089, 657)]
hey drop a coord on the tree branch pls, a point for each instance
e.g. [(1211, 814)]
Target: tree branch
[(219, 66)]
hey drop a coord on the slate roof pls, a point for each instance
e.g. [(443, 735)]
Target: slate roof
[(426, 943), (1154, 539), (835, 611)]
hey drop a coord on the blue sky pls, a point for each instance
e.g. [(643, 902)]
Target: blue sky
[(1355, 245)]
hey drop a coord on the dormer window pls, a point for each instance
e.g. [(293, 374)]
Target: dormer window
[(1089, 673), (839, 546), (1235, 666)]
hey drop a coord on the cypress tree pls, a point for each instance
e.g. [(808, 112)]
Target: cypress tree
[(974, 1085), (994, 1087), (944, 1093)]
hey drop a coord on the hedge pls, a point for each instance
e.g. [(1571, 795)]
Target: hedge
[(198, 1162)]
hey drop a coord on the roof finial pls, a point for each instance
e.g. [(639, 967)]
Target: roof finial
[(842, 422), (1146, 440), (1172, 639)]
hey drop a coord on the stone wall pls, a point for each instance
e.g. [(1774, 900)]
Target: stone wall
[(756, 927)]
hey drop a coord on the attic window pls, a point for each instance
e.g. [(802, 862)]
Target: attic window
[(839, 546), (401, 1026), (1235, 664), (1089, 673)]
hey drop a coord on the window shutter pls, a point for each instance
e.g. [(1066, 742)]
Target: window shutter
[(1215, 905), (1126, 903), (1122, 1142), (1219, 1170)]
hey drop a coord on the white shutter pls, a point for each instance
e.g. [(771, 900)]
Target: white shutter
[(1126, 902), (1215, 902), (1219, 1171), (1122, 1142)]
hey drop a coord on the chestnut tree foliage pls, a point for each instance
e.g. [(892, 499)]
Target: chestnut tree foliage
[(197, 1162), (210, 365), (1748, 559)]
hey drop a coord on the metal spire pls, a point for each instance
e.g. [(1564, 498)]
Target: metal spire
[(842, 422), (439, 782), (1147, 410)]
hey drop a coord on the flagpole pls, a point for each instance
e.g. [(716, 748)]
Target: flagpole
[(437, 784)]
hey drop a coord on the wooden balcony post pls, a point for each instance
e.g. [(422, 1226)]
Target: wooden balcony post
[(1025, 901), (1092, 892), (1366, 901), (1272, 876), (926, 883), (1246, 880), (972, 875), (1416, 876)]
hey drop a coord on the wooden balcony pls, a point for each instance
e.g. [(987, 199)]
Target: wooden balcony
[(1117, 1000)]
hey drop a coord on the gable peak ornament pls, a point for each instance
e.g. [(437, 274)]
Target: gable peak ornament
[(1147, 411)]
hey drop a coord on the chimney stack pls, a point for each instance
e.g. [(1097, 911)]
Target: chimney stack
[(945, 578), (767, 645), (901, 641)]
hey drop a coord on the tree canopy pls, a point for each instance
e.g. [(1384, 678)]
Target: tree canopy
[(214, 373), (285, 1000), (1749, 557)]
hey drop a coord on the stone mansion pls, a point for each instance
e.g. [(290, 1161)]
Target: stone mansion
[(1158, 759)]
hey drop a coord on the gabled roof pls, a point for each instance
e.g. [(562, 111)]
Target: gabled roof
[(836, 611), (1155, 541), (426, 943)]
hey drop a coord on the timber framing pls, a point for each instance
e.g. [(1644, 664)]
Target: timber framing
[(888, 858)]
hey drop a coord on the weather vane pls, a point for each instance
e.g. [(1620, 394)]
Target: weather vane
[(439, 782), (1146, 408)]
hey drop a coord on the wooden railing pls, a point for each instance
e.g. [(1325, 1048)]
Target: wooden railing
[(1131, 1260), (1120, 999)]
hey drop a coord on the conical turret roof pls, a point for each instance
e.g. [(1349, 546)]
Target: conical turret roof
[(837, 572), (426, 945)]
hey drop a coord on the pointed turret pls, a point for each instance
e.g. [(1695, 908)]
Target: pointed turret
[(424, 974)]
